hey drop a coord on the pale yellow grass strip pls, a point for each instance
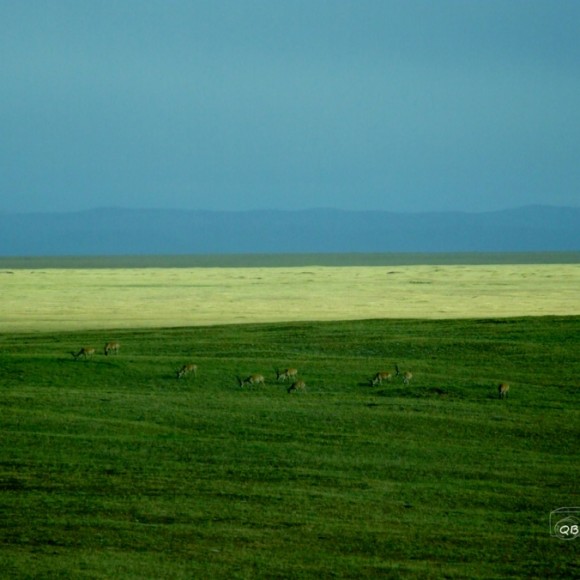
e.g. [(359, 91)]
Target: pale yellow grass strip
[(150, 297)]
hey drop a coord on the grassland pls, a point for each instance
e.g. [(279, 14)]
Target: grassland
[(72, 298), (113, 468)]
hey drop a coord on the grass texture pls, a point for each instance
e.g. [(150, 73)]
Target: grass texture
[(79, 298), (111, 467)]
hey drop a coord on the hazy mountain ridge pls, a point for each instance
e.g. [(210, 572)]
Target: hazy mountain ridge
[(114, 231)]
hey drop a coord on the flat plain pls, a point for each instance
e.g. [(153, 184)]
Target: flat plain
[(145, 297), (112, 467)]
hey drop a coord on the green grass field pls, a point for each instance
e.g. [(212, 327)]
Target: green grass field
[(113, 468)]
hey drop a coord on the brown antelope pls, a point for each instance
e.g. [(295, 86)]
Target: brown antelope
[(502, 390), (407, 376), (297, 386), (85, 352), (287, 374), (112, 347), (252, 380), (380, 377), (187, 370)]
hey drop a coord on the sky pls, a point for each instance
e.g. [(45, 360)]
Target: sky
[(398, 105)]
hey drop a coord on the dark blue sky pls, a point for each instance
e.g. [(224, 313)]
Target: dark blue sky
[(244, 104)]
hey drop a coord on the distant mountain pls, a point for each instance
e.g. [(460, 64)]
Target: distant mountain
[(114, 231)]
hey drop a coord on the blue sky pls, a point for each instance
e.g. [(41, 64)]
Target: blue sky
[(245, 104)]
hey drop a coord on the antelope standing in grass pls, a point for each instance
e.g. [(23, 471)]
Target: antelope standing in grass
[(112, 348), (84, 352), (380, 377), (256, 379), (287, 374), (190, 369), (502, 390), (407, 376), (297, 386)]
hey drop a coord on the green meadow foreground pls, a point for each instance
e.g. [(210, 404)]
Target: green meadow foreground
[(112, 467)]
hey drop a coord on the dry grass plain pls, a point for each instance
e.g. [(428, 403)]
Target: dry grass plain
[(95, 298)]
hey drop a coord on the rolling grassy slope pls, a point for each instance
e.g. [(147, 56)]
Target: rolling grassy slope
[(113, 468)]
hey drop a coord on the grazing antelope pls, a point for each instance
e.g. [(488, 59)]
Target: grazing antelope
[(186, 370), (252, 380), (380, 377), (287, 374), (503, 390), (297, 386), (407, 376), (112, 347), (85, 352)]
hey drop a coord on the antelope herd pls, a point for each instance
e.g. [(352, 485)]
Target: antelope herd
[(87, 352), (381, 376)]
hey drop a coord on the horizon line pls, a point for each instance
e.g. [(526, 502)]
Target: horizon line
[(277, 210)]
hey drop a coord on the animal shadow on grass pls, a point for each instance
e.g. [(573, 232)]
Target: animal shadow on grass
[(367, 383), (421, 393)]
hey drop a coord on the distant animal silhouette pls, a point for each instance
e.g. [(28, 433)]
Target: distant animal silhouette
[(255, 379), (286, 374), (380, 377), (186, 370), (84, 352), (297, 386), (112, 348)]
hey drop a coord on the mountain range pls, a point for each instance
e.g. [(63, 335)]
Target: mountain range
[(115, 231)]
